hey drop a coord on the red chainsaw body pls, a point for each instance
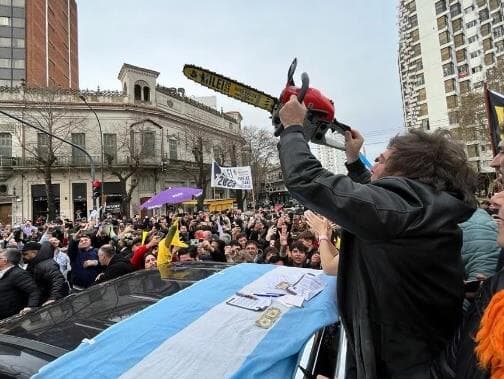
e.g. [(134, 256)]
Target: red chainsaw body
[(313, 100)]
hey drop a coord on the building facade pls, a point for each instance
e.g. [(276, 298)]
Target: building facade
[(445, 49), (148, 131), (38, 43)]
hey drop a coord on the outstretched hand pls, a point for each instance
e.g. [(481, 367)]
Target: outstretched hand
[(318, 224)]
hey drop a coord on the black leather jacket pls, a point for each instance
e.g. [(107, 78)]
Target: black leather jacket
[(47, 275), (400, 281)]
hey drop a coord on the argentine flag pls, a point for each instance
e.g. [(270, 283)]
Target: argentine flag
[(194, 333)]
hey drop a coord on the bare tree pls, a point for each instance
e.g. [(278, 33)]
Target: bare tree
[(48, 109), (471, 112), (131, 153), (198, 143), (262, 152)]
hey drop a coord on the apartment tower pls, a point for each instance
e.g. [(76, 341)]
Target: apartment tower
[(38, 43), (445, 48)]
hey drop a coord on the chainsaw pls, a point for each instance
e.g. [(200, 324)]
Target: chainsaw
[(320, 110)]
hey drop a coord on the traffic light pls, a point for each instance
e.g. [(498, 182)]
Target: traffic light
[(96, 189)]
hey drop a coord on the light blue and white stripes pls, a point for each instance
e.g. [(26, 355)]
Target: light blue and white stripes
[(195, 334)]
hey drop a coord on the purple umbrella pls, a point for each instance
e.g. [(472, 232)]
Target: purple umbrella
[(172, 195)]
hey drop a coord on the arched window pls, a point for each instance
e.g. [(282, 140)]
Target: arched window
[(138, 92), (146, 93), (125, 89)]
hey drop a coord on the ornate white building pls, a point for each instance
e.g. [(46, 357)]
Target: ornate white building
[(146, 123)]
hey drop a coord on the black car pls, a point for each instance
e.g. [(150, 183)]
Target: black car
[(29, 342)]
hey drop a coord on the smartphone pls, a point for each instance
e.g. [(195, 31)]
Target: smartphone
[(472, 285), (194, 242)]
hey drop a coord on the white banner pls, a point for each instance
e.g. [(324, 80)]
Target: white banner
[(231, 177)]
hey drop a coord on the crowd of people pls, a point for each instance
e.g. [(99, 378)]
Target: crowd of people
[(42, 263)]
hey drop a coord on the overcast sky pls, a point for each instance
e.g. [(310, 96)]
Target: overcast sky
[(349, 49)]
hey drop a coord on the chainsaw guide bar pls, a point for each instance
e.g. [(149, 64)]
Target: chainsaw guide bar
[(231, 88)]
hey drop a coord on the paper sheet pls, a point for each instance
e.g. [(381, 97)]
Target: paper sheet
[(307, 287)]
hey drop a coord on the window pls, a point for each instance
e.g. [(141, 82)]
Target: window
[(475, 53), (5, 145), (444, 38), (446, 53), (442, 22), (485, 30), (498, 32), (42, 145), (4, 21), (448, 69), (415, 36), (148, 144), (463, 70), (419, 65), (487, 44), (109, 147), (472, 24), (476, 69), (420, 81), (138, 92), (18, 42), (451, 101), (461, 55), (18, 3), (413, 21), (452, 118), (423, 110), (455, 9), (484, 14), (146, 93), (147, 184), (469, 9), (473, 38), (422, 94), (440, 6), (416, 50), (5, 42), (78, 157), (425, 124), (457, 25), (459, 40), (496, 17), (464, 86), (480, 3), (18, 63), (18, 22), (172, 146), (5, 63), (499, 46), (489, 59), (494, 4), (449, 85)]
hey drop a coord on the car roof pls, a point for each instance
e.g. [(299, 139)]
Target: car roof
[(67, 322)]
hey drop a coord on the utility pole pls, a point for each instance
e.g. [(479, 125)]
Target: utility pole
[(102, 197)]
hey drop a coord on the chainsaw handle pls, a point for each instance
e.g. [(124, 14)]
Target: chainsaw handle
[(305, 83)]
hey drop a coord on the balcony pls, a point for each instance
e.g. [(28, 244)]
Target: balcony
[(69, 161)]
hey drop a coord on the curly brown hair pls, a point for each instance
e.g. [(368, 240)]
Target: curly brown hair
[(433, 159)]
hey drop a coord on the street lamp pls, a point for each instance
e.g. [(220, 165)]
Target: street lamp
[(101, 146)]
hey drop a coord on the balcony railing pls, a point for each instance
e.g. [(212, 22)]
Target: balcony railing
[(74, 161)]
